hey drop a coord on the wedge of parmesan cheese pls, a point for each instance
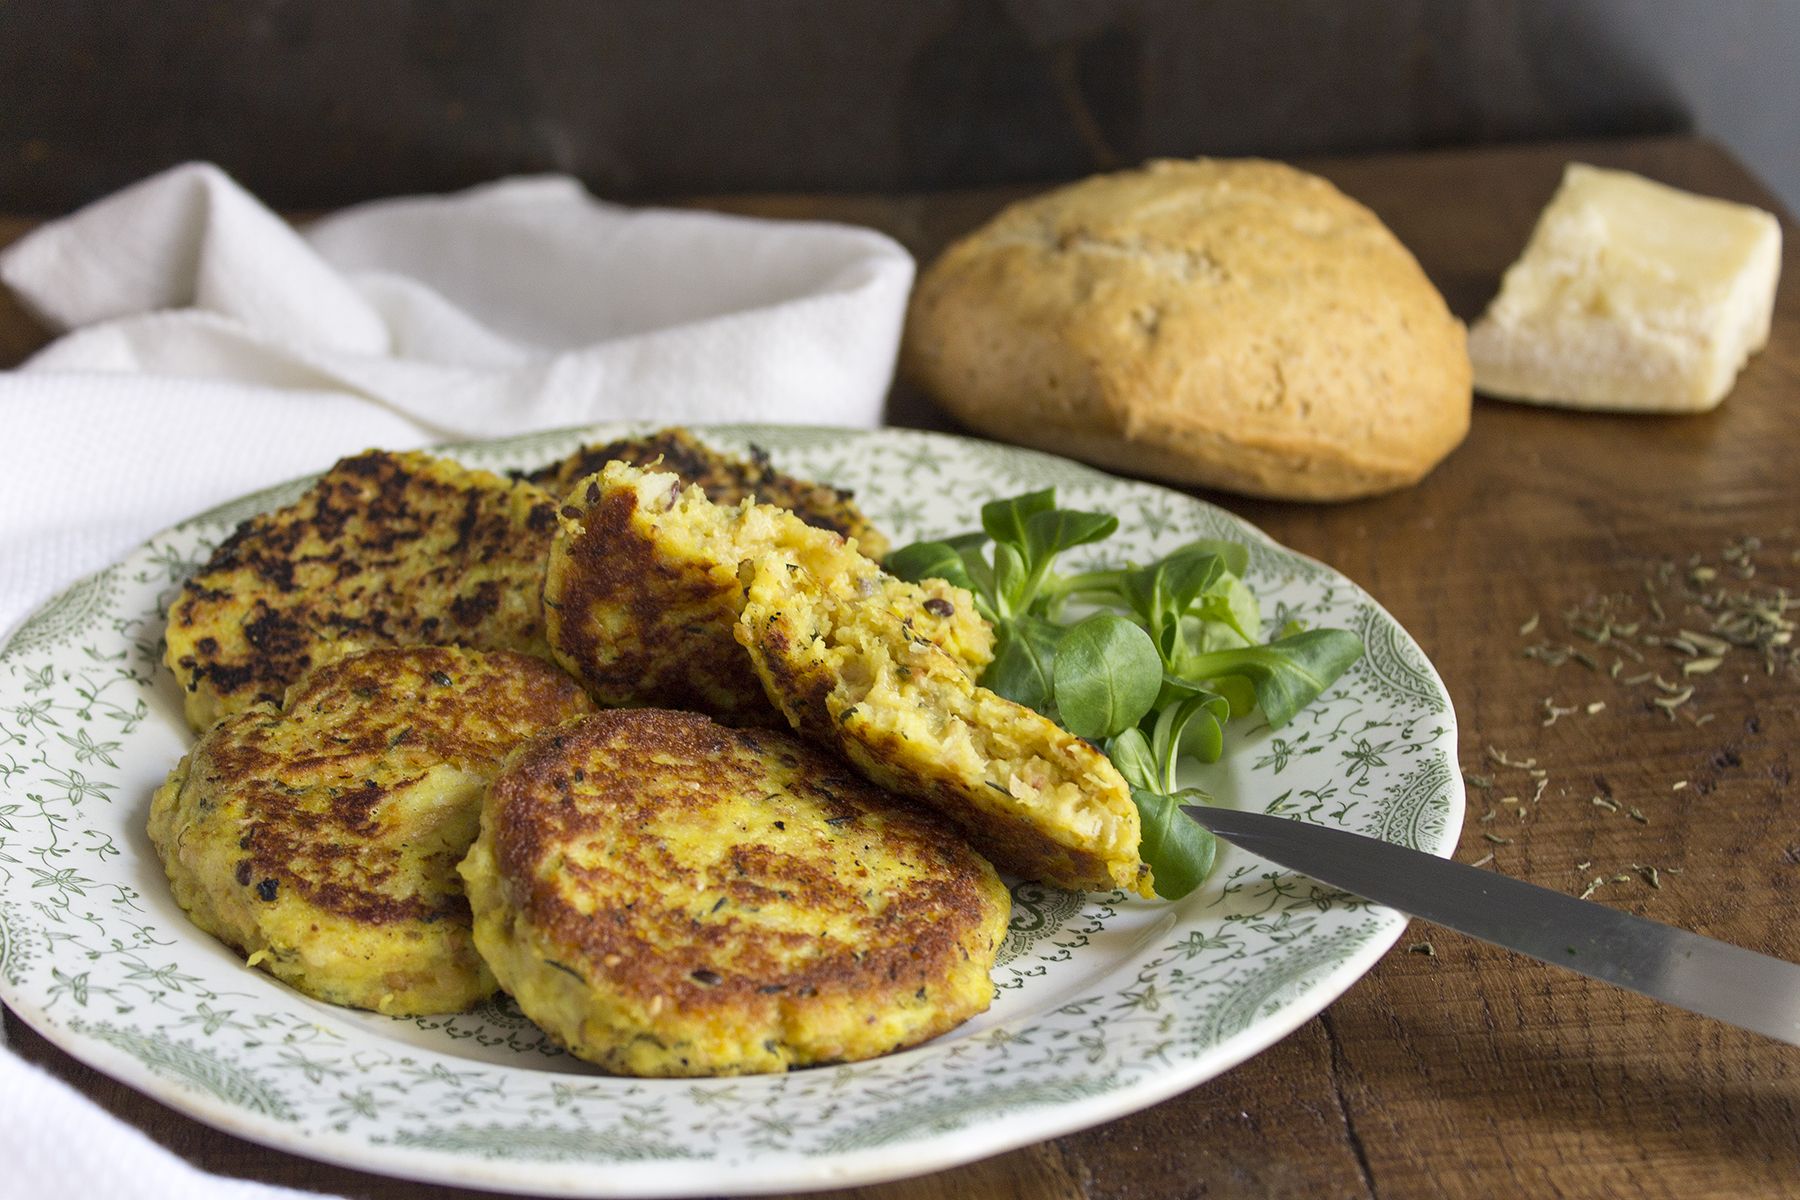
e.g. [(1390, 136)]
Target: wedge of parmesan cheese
[(1630, 296)]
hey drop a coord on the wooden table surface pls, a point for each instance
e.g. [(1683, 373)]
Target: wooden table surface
[(1469, 1072)]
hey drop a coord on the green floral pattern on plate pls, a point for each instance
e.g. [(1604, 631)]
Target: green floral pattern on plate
[(1105, 1003)]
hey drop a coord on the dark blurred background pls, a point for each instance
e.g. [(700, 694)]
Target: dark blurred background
[(314, 103)]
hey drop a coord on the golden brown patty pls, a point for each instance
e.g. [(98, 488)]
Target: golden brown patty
[(322, 839), (386, 549), (849, 670), (667, 896), (643, 591), (725, 478)]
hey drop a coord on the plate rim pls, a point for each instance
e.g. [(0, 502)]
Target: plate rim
[(786, 1170)]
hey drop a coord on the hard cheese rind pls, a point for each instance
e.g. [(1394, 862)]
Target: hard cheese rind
[(1631, 296)]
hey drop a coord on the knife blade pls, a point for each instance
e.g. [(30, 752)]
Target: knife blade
[(1701, 974)]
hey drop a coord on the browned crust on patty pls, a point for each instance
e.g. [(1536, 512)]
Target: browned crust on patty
[(598, 782), (726, 479), (645, 583), (307, 785), (622, 608), (386, 549)]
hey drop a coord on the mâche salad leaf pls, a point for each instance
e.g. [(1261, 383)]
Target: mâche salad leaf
[(1180, 850), (1105, 677), (1168, 653), (1024, 663)]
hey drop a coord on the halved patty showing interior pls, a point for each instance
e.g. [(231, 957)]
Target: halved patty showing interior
[(646, 581), (849, 670)]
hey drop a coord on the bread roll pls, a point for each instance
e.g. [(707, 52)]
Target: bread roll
[(1236, 324)]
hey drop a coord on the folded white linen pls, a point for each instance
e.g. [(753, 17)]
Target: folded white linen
[(59, 1144)]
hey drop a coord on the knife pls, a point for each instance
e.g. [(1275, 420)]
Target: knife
[(1685, 969)]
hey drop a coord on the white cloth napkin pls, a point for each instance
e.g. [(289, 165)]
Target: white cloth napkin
[(56, 1144), (213, 350)]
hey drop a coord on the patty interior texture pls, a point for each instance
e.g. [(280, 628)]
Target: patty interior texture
[(850, 670), (727, 479), (646, 582)]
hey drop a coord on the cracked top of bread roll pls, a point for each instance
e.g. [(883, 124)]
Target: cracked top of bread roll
[(1236, 324)]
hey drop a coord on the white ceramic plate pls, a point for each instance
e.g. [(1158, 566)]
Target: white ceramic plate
[(1106, 1003)]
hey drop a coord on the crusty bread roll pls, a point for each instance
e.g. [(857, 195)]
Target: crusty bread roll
[(1237, 324)]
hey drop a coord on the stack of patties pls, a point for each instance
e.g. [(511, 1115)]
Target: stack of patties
[(665, 895), (732, 610), (408, 549)]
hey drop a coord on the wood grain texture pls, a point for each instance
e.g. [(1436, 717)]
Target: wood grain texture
[(1468, 1072)]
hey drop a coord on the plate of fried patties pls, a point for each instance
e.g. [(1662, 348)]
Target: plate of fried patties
[(592, 814)]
